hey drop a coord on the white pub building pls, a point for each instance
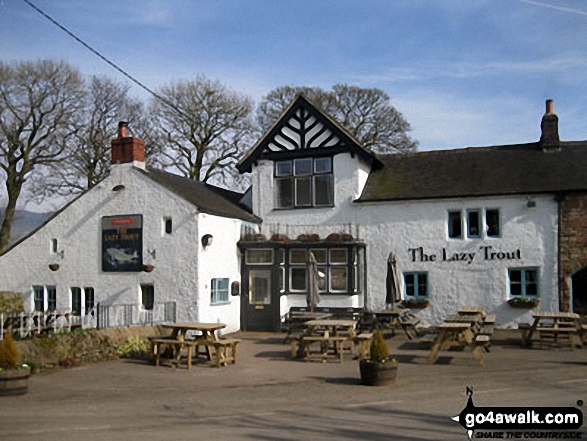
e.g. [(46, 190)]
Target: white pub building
[(499, 226)]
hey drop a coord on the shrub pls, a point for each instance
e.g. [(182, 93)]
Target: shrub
[(8, 353), (379, 352), (132, 347)]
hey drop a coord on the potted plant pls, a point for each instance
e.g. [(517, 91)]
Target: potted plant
[(523, 302), (13, 376), (379, 369)]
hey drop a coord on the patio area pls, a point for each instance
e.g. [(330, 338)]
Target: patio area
[(267, 395)]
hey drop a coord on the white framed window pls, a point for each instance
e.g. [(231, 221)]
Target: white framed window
[(304, 182), (219, 291), (82, 300), (338, 271), (416, 285), (479, 223), (44, 298), (523, 282)]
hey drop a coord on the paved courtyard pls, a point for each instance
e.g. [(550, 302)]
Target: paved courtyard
[(268, 396)]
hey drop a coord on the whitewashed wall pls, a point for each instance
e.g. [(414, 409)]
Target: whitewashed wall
[(179, 275), (219, 260), (400, 226)]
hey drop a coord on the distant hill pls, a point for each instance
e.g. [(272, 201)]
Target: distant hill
[(25, 222)]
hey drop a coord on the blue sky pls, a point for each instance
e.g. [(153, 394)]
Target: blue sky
[(463, 72)]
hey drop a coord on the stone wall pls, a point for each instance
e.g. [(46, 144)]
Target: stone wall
[(573, 245)]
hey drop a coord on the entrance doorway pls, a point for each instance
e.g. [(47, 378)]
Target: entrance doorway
[(260, 308), (579, 290)]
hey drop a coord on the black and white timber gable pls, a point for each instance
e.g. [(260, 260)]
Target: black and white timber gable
[(304, 131)]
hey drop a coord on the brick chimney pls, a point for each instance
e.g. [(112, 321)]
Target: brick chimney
[(126, 149), (549, 126)]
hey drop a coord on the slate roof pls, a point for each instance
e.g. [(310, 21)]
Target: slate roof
[(208, 199), (479, 171)]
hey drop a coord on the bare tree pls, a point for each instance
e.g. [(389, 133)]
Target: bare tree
[(366, 113), (87, 160), (39, 102), (204, 132)]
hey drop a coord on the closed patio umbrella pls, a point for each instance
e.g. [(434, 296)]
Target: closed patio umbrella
[(313, 297), (392, 291)]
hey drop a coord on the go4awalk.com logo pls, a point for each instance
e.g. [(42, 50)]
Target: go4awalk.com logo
[(520, 422)]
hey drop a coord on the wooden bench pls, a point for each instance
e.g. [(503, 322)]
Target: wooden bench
[(225, 350), (428, 339), (324, 343), (409, 324), (176, 345)]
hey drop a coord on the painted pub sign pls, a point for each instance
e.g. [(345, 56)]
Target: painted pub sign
[(122, 243)]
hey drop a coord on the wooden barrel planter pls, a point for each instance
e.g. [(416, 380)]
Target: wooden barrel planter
[(378, 374), (14, 381)]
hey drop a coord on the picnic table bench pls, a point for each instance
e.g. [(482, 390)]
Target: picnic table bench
[(553, 328)]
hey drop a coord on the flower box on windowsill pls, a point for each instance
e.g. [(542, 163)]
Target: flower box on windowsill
[(522, 302), (416, 303)]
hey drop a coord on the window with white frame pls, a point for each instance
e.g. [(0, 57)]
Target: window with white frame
[(219, 291), (82, 300), (297, 270), (523, 282), (304, 182), (415, 285), (44, 298), (259, 256), (338, 270), (478, 223)]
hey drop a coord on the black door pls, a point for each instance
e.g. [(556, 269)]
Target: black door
[(260, 301)]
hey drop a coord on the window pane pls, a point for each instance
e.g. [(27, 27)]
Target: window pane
[(492, 222), (76, 301), (298, 279), (409, 283), (322, 271), (148, 296), (516, 276), (303, 167), (303, 192), (260, 287), (283, 168), (284, 193), (259, 257), (323, 188), (320, 255), (454, 225), (39, 294), (474, 223), (297, 256), (338, 256), (338, 279), (89, 294), (322, 165), (51, 298), (422, 285)]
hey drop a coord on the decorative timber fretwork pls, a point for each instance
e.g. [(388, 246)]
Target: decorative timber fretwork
[(303, 130)]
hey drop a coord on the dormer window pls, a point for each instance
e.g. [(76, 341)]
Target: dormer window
[(304, 183)]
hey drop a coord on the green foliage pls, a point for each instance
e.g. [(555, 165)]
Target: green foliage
[(379, 351), (523, 302), (8, 353), (132, 347)]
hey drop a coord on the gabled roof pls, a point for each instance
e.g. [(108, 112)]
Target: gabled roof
[(302, 130), (208, 199), (479, 171)]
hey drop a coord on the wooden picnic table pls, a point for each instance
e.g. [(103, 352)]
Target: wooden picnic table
[(553, 327), (296, 320), (328, 334), (207, 337), (455, 334), (395, 318)]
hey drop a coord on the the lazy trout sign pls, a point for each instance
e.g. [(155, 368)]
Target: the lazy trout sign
[(485, 253)]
